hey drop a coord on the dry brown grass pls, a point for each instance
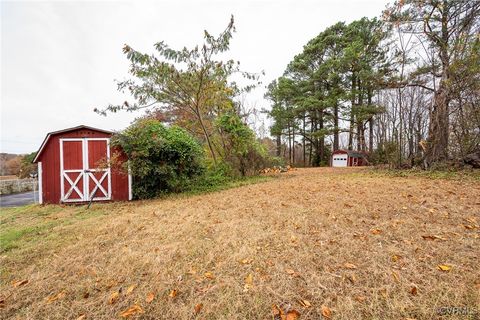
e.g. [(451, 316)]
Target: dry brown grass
[(294, 234), (10, 177)]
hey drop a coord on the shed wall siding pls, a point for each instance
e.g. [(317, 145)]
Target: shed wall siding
[(50, 159)]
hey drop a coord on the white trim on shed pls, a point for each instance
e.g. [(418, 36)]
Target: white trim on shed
[(40, 182)]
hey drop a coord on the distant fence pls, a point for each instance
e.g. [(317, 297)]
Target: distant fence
[(18, 185)]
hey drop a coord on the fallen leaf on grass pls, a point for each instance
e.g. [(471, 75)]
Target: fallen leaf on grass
[(53, 298), (130, 289), (246, 261), (375, 231), (413, 291), (444, 267), (383, 292), (248, 283), (131, 311), (111, 284), (113, 297), (350, 266), (277, 313), (305, 303), (2, 304), (173, 293), (82, 316), (472, 220), (19, 283), (209, 275), (292, 315), (352, 278), (433, 237), (292, 273), (198, 308), (395, 276), (326, 312), (150, 297), (395, 258)]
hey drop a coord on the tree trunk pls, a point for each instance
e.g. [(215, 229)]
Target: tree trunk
[(279, 145), (312, 128), (207, 137), (352, 115), (315, 139), (370, 123), (293, 144), (438, 128), (437, 141), (370, 133), (335, 127), (360, 129), (304, 147), (289, 145), (321, 143)]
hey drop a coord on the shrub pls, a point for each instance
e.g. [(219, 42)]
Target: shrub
[(242, 152), (386, 153), (161, 159), (213, 177)]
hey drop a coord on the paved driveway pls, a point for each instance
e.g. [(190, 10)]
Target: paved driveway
[(18, 199)]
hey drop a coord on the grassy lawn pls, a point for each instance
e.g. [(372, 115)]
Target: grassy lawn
[(351, 244)]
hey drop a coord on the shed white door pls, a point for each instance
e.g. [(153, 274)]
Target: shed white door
[(83, 177), (339, 160)]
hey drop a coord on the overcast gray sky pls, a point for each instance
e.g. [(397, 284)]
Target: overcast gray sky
[(59, 59)]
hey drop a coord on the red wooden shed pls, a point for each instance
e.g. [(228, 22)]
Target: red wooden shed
[(348, 158), (74, 167)]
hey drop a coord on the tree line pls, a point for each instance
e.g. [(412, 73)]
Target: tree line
[(403, 88)]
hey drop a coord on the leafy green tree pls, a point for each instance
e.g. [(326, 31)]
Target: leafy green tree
[(367, 66), (334, 78), (161, 159), (192, 84), (319, 76), (242, 150), (277, 114), (27, 168)]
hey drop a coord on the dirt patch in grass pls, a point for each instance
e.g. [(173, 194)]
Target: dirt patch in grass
[(350, 241)]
